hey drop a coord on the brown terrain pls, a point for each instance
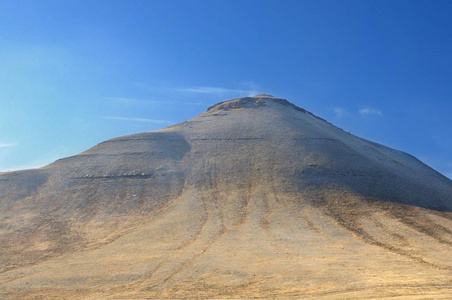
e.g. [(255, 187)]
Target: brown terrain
[(255, 198)]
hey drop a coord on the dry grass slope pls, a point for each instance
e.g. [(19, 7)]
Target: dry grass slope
[(254, 198)]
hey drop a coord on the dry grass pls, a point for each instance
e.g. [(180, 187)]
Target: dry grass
[(248, 200)]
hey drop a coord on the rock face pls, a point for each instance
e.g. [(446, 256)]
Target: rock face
[(256, 197)]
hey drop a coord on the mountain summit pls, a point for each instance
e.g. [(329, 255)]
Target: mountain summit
[(255, 197)]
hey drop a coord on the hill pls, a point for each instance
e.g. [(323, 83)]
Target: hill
[(256, 197)]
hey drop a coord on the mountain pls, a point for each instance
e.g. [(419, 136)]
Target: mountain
[(255, 197)]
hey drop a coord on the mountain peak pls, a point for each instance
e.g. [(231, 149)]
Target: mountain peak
[(209, 208), (263, 96), (255, 101)]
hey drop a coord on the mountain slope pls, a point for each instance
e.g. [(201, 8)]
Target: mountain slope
[(253, 198)]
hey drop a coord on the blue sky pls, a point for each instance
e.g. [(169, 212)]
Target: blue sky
[(74, 73)]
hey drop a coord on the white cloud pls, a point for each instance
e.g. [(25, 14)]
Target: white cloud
[(136, 120), (5, 145), (144, 102), (370, 111), (341, 112), (218, 90), (129, 101), (246, 88), (251, 86)]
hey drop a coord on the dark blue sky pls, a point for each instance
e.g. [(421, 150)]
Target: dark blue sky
[(74, 73)]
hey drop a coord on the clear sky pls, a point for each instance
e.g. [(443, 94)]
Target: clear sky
[(75, 73)]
